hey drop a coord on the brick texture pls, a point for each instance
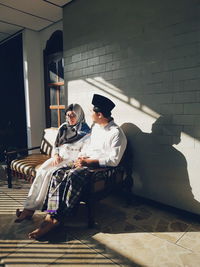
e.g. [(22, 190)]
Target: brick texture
[(140, 49), (146, 57)]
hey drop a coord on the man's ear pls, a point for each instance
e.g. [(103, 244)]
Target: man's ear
[(100, 115)]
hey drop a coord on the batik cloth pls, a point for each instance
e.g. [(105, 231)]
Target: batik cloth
[(65, 189)]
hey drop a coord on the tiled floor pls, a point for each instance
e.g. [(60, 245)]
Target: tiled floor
[(142, 234)]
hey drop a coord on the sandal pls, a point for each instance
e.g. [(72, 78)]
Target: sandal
[(26, 217), (18, 212)]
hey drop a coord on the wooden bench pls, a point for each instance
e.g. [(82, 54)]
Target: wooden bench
[(102, 181), (22, 164)]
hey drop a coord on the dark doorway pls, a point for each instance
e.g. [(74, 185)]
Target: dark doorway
[(12, 109)]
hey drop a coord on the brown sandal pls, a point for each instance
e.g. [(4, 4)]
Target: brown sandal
[(18, 214)]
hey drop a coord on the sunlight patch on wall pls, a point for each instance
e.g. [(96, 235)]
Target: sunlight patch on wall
[(128, 109), (187, 140), (187, 147), (107, 88), (149, 111)]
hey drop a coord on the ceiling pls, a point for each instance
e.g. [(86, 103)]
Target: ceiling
[(30, 14)]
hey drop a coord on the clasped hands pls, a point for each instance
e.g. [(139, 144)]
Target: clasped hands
[(81, 161)]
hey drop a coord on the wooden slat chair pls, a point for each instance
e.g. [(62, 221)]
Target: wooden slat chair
[(23, 165), (102, 181)]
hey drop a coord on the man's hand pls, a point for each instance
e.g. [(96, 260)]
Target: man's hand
[(56, 159), (80, 162), (84, 161)]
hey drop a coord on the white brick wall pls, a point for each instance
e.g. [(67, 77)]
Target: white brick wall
[(146, 59)]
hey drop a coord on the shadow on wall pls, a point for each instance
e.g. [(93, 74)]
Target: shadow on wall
[(160, 170)]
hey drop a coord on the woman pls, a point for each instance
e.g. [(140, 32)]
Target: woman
[(68, 143)]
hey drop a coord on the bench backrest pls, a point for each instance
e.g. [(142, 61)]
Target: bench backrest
[(48, 139)]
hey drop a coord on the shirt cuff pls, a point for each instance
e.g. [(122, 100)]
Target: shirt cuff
[(102, 162)]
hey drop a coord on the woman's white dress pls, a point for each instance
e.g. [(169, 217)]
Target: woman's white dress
[(39, 188)]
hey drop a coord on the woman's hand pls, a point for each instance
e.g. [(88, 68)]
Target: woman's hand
[(56, 159)]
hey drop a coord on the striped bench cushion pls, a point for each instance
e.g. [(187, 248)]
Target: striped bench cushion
[(29, 164)]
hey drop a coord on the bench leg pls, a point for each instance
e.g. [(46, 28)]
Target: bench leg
[(8, 170), (9, 176)]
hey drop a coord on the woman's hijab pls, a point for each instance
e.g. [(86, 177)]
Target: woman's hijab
[(77, 109), (70, 133)]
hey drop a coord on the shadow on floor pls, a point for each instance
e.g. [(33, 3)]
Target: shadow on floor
[(119, 236)]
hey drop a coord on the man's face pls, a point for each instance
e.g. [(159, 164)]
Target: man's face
[(95, 116)]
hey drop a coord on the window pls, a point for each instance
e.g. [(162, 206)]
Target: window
[(54, 81)]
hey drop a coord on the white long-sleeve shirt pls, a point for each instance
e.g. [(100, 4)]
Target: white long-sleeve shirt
[(106, 144)]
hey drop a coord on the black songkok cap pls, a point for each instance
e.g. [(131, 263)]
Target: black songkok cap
[(102, 103)]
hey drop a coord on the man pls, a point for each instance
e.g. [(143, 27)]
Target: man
[(105, 147)]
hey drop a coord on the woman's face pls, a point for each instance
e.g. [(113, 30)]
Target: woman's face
[(71, 117)]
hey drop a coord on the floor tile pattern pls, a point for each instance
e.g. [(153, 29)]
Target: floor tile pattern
[(142, 234)]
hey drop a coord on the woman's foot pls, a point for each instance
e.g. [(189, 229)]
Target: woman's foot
[(46, 226), (23, 215)]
